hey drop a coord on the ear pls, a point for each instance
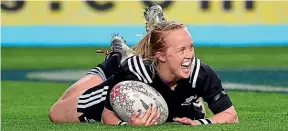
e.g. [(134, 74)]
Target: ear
[(160, 56)]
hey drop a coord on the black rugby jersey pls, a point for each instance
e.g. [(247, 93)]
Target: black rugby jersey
[(203, 82)]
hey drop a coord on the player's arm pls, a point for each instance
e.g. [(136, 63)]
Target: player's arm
[(110, 117), (227, 116), (218, 101)]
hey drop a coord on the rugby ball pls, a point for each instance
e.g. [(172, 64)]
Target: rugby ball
[(127, 97)]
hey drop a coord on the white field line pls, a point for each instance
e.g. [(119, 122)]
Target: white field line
[(249, 87)]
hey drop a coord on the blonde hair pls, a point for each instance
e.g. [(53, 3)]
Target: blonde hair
[(153, 41)]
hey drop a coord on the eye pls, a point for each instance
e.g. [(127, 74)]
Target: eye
[(191, 46)]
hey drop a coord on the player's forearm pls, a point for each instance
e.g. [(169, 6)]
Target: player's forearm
[(109, 118), (227, 116)]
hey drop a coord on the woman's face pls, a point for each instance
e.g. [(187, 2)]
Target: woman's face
[(179, 52)]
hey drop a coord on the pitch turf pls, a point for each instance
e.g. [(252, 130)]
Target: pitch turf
[(25, 105), (264, 57)]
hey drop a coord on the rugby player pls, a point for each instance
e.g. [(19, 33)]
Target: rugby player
[(172, 69)]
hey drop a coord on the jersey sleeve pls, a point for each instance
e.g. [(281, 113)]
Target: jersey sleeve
[(213, 92)]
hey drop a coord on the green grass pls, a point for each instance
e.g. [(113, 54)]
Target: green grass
[(25, 105), (244, 57)]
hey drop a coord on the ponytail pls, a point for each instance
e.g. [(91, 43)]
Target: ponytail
[(143, 47)]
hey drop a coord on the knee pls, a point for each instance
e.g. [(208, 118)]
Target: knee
[(54, 114)]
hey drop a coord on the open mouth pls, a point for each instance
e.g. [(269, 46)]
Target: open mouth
[(186, 64)]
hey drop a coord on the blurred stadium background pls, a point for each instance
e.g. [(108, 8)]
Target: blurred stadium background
[(48, 45)]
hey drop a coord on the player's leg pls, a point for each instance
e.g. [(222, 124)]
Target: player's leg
[(95, 76), (120, 51), (65, 109), (84, 106), (153, 15), (118, 44)]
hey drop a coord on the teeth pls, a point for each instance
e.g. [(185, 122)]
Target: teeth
[(186, 63), (185, 66)]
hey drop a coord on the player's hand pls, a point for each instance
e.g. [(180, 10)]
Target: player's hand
[(151, 117), (187, 121)]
